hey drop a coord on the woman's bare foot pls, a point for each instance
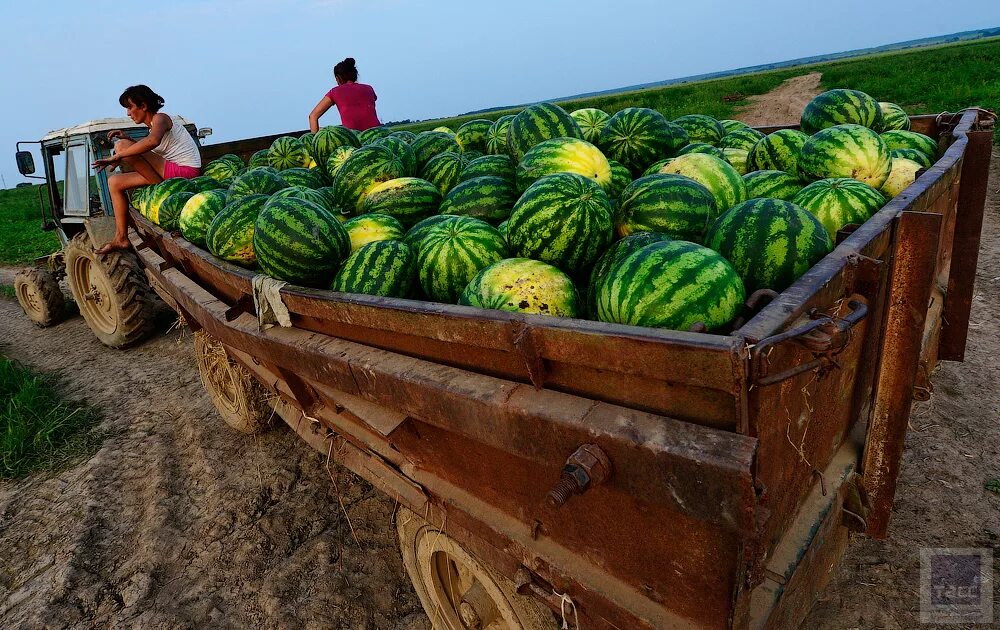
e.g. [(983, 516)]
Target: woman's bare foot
[(115, 245)]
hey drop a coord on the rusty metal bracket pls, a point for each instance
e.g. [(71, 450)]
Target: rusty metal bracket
[(524, 341)]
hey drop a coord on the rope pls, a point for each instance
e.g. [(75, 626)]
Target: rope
[(565, 599)]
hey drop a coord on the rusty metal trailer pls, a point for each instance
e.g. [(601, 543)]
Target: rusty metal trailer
[(624, 477)]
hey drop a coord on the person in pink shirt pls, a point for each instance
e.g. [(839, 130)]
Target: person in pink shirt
[(355, 101)]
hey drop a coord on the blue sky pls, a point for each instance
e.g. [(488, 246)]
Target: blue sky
[(256, 67)]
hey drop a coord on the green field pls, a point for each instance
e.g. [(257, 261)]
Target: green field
[(21, 237)]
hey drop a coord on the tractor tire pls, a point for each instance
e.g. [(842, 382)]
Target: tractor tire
[(242, 402), (112, 292), (40, 297)]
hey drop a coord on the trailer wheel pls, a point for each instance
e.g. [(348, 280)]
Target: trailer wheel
[(458, 591), (241, 401), (38, 293), (111, 291)]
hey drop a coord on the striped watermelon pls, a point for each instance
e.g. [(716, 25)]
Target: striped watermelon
[(718, 176), (563, 155), (846, 151), (307, 141), (407, 199), (368, 228), (364, 169), (259, 158), (615, 253), (537, 123), (737, 158), (562, 219), (911, 140), (841, 107), (894, 117), (670, 284), (487, 198), (471, 136), (305, 177), (298, 241), (502, 228), (778, 151), (384, 268), (452, 252), (443, 170), (373, 134), (732, 125), (743, 138), (431, 143), (288, 152), (838, 202), (495, 165), (591, 121), (415, 235), (221, 169), (401, 149), (330, 138), (673, 205), (700, 147), (654, 168), (769, 242), (638, 136), (170, 210), (336, 160), (406, 136), (309, 194), (772, 184), (620, 178), (916, 155), (161, 191), (903, 173), (496, 137), (230, 234), (197, 215), (256, 181), (701, 128), (204, 183), (521, 285), (444, 129)]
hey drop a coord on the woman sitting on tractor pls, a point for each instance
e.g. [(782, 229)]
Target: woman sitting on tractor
[(168, 151)]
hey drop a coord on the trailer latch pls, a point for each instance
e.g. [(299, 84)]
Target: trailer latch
[(587, 466)]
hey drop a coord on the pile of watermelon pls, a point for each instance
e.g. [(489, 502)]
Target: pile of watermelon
[(623, 217)]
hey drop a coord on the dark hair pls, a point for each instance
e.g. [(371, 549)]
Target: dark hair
[(141, 95), (346, 70)]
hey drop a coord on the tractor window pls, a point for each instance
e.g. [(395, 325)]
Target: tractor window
[(77, 187)]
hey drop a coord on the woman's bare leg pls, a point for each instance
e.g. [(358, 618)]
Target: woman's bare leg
[(147, 169), (149, 164)]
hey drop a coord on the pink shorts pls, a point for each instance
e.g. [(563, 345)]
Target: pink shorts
[(176, 170)]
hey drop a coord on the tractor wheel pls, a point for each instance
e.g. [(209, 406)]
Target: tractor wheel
[(38, 293), (111, 291), (456, 589), (242, 402)]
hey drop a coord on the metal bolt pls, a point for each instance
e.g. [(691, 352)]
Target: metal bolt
[(587, 466)]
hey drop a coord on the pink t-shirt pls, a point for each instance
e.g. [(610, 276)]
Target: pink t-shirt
[(356, 103)]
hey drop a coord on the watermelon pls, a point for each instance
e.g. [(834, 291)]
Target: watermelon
[(431, 143), (841, 107), (299, 241), (536, 123), (170, 210), (778, 151), (364, 169), (700, 147), (259, 158), (496, 137), (916, 155), (496, 165), (337, 158), (472, 154), (137, 198), (330, 138), (305, 177), (591, 121), (197, 215), (772, 184), (406, 136), (288, 152), (234, 159), (743, 138), (415, 235), (654, 168), (384, 268), (737, 158), (562, 219), (903, 173), (502, 228), (161, 191), (769, 242), (204, 183), (718, 176), (673, 205), (521, 285), (407, 199), (838, 202), (638, 136), (730, 126), (307, 141), (894, 117), (471, 136), (370, 136), (670, 284), (444, 129), (488, 198), (563, 155), (256, 181), (620, 178), (230, 234), (701, 128), (222, 169), (401, 149), (443, 170), (368, 228), (846, 151), (615, 253), (309, 194), (911, 140), (452, 252)]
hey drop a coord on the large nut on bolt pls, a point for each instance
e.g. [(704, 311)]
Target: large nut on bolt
[(586, 467)]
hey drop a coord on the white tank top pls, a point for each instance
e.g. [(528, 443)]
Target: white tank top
[(178, 146)]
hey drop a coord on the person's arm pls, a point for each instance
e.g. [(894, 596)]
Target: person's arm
[(157, 129), (321, 108)]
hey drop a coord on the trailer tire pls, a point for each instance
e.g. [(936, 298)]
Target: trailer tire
[(111, 291), (242, 402), (456, 588), (40, 297)]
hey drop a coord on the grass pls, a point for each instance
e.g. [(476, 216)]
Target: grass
[(7, 291), (38, 430), (21, 237)]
